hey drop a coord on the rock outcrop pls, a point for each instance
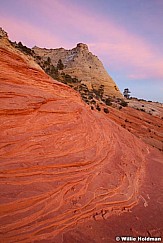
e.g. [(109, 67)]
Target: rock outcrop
[(148, 128), (83, 65), (137, 121), (61, 163), (3, 34)]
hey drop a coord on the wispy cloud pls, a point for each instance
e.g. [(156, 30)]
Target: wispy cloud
[(31, 34), (110, 41), (68, 23), (136, 57)]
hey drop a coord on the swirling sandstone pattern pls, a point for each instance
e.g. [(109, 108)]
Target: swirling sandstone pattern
[(61, 163), (147, 127)]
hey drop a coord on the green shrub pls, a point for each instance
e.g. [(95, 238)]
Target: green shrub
[(60, 65), (108, 102), (142, 110), (106, 110), (123, 103), (98, 108)]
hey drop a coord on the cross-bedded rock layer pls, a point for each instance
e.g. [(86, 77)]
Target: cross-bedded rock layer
[(147, 127), (61, 163)]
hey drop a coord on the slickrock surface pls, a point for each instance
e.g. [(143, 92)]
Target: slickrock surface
[(144, 220), (61, 163), (4, 43), (82, 64), (152, 108), (147, 127)]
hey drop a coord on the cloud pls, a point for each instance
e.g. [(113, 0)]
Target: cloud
[(117, 46), (31, 34), (67, 23), (133, 56)]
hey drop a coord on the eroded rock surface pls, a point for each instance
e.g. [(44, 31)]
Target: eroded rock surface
[(147, 127), (144, 220), (61, 163), (82, 64)]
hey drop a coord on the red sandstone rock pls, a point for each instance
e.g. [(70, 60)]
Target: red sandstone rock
[(61, 163), (143, 220), (147, 127)]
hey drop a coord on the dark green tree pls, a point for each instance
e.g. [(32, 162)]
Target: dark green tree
[(126, 93), (49, 60), (60, 65)]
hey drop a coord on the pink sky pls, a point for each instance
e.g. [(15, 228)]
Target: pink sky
[(126, 54)]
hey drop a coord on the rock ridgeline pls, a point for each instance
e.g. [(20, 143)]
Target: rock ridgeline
[(77, 68), (3, 34), (80, 63)]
